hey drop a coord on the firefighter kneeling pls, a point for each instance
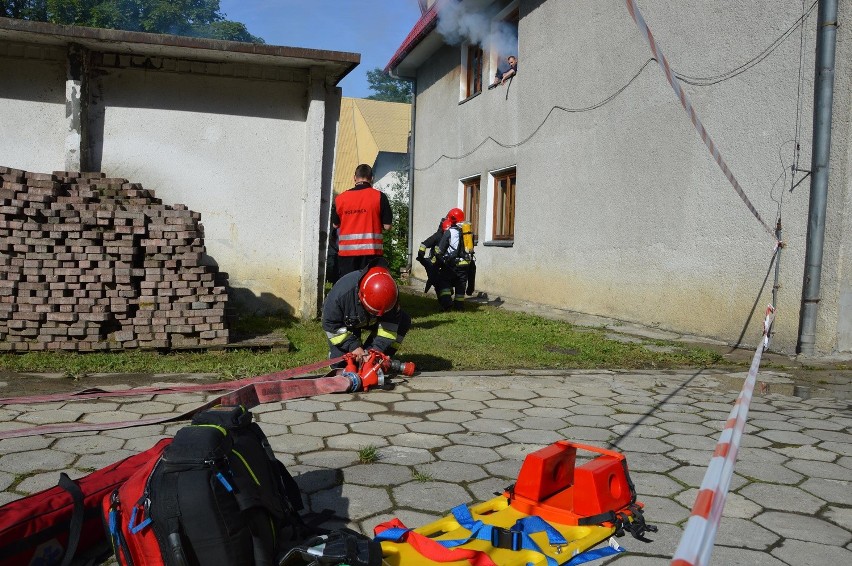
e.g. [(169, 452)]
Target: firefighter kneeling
[(364, 300)]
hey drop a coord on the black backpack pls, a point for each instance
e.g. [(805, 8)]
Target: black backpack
[(217, 495)]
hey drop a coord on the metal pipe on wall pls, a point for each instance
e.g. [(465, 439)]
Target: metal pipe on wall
[(823, 98)]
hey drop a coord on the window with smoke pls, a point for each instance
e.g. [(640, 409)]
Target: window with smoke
[(494, 29)]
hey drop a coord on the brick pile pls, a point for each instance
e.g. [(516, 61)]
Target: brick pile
[(92, 263)]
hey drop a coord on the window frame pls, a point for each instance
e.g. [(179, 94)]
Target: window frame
[(474, 58), (471, 204), (493, 208)]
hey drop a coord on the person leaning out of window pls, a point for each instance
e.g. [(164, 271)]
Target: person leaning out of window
[(501, 77)]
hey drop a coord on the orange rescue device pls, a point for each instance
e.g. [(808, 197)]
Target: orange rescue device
[(551, 486)]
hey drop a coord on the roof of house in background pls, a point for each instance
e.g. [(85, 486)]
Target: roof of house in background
[(366, 128)]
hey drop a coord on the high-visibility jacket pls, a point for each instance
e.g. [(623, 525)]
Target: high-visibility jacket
[(360, 231)]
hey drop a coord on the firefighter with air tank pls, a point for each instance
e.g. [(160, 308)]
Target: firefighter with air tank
[(450, 267)]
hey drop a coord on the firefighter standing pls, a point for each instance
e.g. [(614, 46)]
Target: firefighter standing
[(458, 261), (360, 214), (364, 300)]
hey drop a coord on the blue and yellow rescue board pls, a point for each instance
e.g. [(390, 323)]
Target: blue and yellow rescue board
[(583, 504)]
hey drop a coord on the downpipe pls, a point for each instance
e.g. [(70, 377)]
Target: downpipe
[(823, 99)]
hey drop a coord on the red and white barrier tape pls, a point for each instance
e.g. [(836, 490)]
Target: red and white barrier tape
[(690, 110), (696, 544)]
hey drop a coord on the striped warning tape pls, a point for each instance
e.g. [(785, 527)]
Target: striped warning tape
[(696, 544), (690, 110)]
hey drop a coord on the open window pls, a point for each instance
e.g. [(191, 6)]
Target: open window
[(472, 71), (470, 203), (501, 207), (503, 38)]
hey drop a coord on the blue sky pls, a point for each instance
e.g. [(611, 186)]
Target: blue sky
[(373, 28)]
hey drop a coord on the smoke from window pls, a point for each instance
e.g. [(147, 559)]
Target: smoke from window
[(458, 23)]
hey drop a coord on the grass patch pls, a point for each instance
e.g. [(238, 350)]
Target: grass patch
[(421, 477), (482, 337), (368, 454)]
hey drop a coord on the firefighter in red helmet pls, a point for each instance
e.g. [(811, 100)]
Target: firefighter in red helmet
[(434, 272), (365, 300), (457, 258)]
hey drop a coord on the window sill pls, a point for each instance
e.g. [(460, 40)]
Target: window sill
[(471, 97), (499, 243)]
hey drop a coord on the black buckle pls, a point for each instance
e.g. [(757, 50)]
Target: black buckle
[(504, 538)]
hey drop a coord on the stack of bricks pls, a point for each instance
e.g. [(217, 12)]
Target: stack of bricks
[(90, 263)]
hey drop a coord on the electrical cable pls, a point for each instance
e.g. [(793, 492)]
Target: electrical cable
[(695, 81), (715, 79), (594, 106)]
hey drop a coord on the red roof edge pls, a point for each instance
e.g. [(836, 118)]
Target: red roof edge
[(422, 28)]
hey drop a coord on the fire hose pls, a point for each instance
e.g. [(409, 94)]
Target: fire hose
[(358, 375)]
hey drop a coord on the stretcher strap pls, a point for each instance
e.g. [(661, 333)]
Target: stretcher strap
[(696, 543), (516, 538), (395, 531)]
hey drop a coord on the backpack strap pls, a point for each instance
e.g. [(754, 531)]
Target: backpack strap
[(171, 520), (76, 525)]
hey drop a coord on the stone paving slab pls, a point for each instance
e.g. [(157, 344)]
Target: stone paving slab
[(445, 438)]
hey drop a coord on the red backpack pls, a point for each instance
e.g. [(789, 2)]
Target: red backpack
[(216, 495), (63, 523)]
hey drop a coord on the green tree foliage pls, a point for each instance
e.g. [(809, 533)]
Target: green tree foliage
[(396, 238), (196, 18), (387, 88)]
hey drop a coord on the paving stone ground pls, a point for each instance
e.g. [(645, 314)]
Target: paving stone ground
[(446, 438)]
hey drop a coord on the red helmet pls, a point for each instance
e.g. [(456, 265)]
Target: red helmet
[(446, 223), (377, 291), (455, 215)]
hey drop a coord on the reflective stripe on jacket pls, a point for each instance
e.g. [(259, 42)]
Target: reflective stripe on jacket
[(360, 231)]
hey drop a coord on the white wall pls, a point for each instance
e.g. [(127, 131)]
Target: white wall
[(621, 210), (231, 149), (32, 108)]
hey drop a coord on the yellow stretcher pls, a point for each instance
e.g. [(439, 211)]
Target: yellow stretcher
[(585, 504), (499, 513)]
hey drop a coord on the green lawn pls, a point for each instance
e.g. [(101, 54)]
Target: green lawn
[(480, 338)]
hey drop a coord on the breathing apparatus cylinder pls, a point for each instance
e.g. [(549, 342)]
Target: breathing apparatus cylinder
[(467, 237)]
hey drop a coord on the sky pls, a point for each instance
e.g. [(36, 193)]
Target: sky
[(373, 28)]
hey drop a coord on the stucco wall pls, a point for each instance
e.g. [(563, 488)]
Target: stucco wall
[(620, 209), (231, 149), (32, 112)]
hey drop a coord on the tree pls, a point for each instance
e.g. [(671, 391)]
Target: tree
[(196, 18), (387, 88), (396, 238)]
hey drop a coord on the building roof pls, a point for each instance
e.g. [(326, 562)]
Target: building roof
[(422, 29), (366, 128), (337, 64)]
